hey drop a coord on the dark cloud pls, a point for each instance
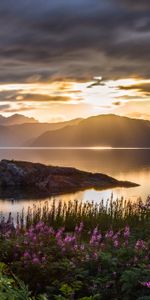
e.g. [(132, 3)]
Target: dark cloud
[(44, 98), (4, 107), (142, 87), (20, 108), (7, 108), (137, 4), (117, 103), (73, 39), (18, 96)]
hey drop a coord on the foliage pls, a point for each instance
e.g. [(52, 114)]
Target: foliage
[(13, 289), (75, 254)]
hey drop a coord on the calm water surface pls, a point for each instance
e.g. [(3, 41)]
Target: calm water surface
[(123, 164)]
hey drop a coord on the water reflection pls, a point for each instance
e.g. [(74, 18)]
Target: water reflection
[(132, 165)]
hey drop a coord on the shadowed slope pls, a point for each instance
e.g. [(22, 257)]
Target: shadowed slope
[(104, 130)]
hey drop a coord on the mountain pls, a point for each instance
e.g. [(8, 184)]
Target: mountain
[(6, 136), (100, 131), (24, 134), (27, 133), (16, 119)]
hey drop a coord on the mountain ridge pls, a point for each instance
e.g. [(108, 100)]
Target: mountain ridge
[(99, 131), (16, 119)]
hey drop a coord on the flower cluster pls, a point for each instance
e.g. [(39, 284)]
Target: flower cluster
[(39, 241), (42, 252)]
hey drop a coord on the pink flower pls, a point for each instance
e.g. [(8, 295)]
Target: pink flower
[(69, 239), (140, 245), (126, 232), (116, 243), (79, 229), (109, 234), (96, 237), (146, 284), (59, 233), (35, 261), (82, 247), (26, 255), (39, 225)]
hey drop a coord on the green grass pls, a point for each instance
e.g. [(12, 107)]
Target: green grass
[(113, 213)]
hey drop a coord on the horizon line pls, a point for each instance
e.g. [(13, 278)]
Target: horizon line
[(74, 148)]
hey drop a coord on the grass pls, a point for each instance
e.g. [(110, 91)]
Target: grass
[(80, 251), (113, 213)]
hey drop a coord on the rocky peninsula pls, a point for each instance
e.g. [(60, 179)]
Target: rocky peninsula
[(38, 180)]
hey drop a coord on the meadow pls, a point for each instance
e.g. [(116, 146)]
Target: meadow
[(78, 251)]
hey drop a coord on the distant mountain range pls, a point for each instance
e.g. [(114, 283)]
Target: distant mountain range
[(16, 119), (22, 131), (100, 131)]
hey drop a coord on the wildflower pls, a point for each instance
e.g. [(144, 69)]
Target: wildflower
[(116, 243), (25, 242), (126, 243), (96, 237), (26, 255), (95, 255), (34, 238), (109, 234), (126, 233), (79, 229), (39, 225), (75, 246), (59, 232), (69, 239), (140, 245), (82, 247), (146, 284), (35, 260)]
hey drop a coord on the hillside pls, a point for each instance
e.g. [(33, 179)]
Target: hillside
[(23, 134), (103, 130), (6, 136)]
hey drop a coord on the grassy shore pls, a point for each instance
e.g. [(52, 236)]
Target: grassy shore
[(77, 251), (111, 213)]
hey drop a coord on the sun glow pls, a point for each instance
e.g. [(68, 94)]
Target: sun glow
[(61, 97)]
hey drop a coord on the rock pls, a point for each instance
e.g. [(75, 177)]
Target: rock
[(41, 180)]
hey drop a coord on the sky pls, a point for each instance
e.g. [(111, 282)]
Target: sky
[(65, 59)]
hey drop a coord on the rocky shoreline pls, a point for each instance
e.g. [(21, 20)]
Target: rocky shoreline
[(38, 180)]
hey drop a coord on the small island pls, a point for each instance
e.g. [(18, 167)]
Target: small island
[(39, 180)]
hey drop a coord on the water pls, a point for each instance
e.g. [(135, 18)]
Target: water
[(123, 164)]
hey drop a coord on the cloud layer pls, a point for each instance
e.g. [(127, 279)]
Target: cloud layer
[(43, 40)]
